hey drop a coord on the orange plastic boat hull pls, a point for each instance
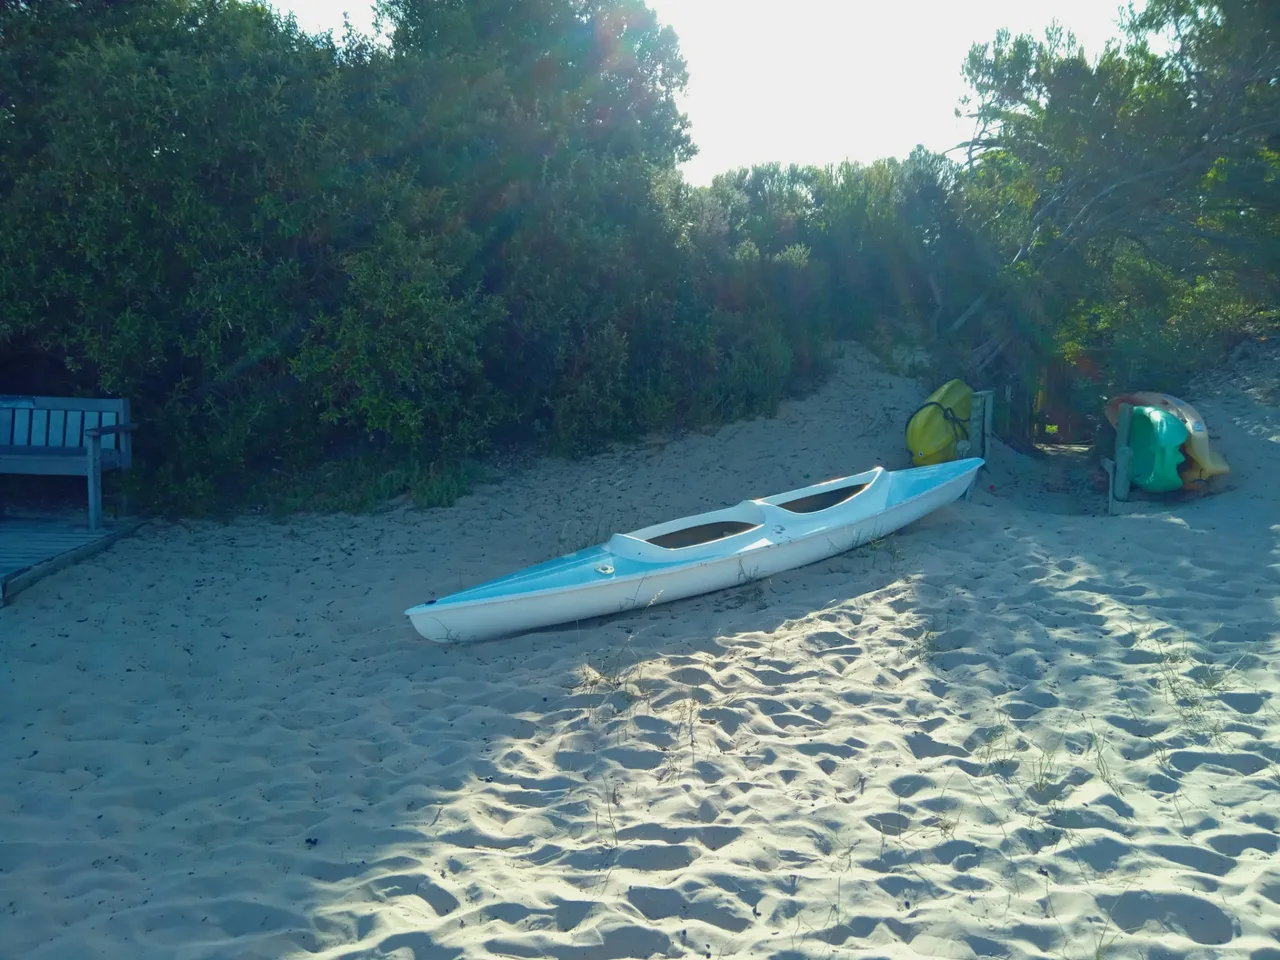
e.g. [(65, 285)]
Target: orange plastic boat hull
[(1202, 463)]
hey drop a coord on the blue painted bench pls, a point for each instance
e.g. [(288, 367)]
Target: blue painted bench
[(66, 437)]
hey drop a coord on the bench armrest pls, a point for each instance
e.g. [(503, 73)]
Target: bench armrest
[(114, 428)]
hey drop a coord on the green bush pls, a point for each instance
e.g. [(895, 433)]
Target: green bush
[(284, 249)]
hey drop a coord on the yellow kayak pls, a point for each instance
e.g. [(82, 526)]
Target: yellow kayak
[(943, 420)]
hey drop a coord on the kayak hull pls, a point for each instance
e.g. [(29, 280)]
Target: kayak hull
[(935, 429), (1202, 463), (1156, 437), (696, 555)]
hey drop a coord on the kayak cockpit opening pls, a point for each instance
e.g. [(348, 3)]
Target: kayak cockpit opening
[(822, 501), (702, 533)]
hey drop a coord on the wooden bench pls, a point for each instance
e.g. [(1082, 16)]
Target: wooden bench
[(66, 437)]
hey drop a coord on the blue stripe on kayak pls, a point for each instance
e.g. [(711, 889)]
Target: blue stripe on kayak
[(574, 570), (906, 484)]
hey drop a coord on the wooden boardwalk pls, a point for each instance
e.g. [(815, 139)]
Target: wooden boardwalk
[(31, 549)]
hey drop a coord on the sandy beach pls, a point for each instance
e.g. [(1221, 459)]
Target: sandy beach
[(1019, 728)]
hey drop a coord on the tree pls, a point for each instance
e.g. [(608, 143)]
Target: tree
[(193, 211), (1081, 170)]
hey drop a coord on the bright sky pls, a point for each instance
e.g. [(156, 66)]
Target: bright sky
[(820, 81)]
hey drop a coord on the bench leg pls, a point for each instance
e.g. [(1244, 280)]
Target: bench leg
[(95, 483)]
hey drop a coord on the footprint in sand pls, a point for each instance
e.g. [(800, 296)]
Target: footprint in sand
[(1159, 913)]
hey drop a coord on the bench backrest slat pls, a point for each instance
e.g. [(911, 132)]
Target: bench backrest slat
[(21, 427), (57, 427), (38, 432), (60, 421), (73, 432)]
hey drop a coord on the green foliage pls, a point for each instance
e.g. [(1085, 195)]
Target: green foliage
[(292, 252), (417, 370), (1128, 199)]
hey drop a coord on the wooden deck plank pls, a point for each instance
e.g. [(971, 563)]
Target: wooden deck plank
[(31, 550)]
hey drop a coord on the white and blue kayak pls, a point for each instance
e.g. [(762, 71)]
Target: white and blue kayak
[(697, 554)]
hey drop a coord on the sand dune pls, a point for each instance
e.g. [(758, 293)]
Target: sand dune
[(1019, 728)]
